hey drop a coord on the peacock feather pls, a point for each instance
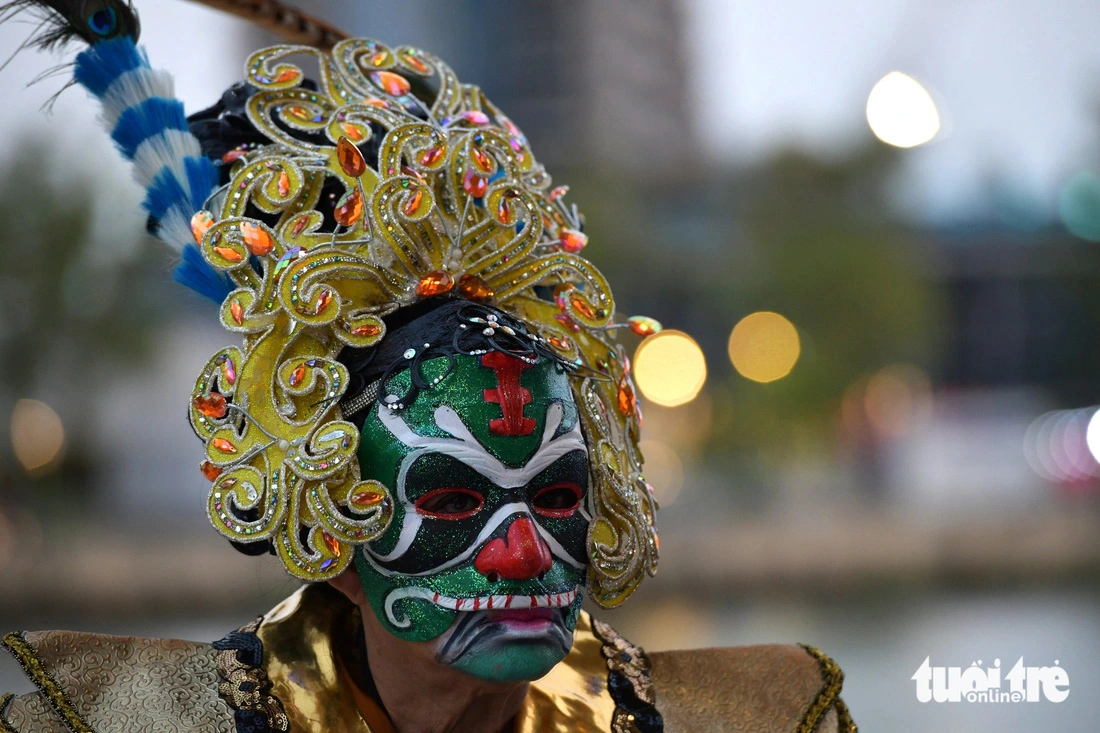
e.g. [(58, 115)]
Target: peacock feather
[(64, 21), (141, 112)]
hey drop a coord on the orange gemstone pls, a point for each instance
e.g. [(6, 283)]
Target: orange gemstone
[(580, 305), (288, 75), (200, 224), (331, 543), (572, 240), (561, 344), (474, 288), (376, 102), (349, 209), (224, 445), (233, 156), (228, 254), (484, 162), (643, 325), (413, 202), (416, 63), (213, 405), (474, 184), (395, 85), (504, 212), (256, 239), (210, 471), (352, 131), (435, 283), (627, 401), (236, 310), (379, 59), (351, 160), (367, 498), (431, 156), (284, 184), (558, 192), (298, 375), (323, 301), (299, 113), (476, 117), (368, 329)]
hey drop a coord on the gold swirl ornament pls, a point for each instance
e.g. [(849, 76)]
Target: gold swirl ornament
[(456, 205)]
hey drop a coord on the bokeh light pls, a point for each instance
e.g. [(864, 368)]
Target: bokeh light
[(901, 112), (897, 399), (669, 368), (1063, 446), (37, 436), (685, 429), (664, 470), (764, 347), (1079, 206), (1092, 435)]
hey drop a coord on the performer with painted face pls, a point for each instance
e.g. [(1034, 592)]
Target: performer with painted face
[(430, 419)]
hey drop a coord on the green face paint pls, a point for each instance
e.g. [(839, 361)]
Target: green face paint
[(486, 550)]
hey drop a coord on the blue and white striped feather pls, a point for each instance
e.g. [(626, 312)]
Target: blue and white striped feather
[(149, 126)]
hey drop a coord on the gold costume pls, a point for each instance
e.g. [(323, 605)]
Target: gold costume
[(295, 670)]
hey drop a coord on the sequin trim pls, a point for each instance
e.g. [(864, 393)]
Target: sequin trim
[(5, 727), (826, 697), (629, 683), (32, 665), (246, 688), (844, 718)]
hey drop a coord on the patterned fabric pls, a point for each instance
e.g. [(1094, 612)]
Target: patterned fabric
[(30, 714), (246, 687), (93, 682), (629, 683), (772, 688)]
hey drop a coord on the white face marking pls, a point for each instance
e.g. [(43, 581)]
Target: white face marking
[(464, 447)]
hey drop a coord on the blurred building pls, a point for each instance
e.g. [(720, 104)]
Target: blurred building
[(1024, 308), (590, 82)]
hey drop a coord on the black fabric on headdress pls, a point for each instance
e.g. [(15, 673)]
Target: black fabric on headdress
[(225, 126), (431, 329)]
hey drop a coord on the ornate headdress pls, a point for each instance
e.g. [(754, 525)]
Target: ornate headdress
[(384, 183)]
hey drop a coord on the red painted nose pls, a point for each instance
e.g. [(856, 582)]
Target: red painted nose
[(522, 555)]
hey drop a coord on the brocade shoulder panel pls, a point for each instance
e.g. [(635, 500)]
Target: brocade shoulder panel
[(95, 682), (772, 688), (30, 713)]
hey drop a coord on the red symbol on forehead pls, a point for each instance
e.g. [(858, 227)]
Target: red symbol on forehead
[(509, 394)]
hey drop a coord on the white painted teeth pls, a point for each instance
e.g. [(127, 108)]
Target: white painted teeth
[(487, 603)]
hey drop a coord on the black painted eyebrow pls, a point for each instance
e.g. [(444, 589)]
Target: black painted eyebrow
[(574, 464)]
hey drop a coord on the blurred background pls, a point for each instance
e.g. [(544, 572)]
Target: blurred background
[(871, 230)]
